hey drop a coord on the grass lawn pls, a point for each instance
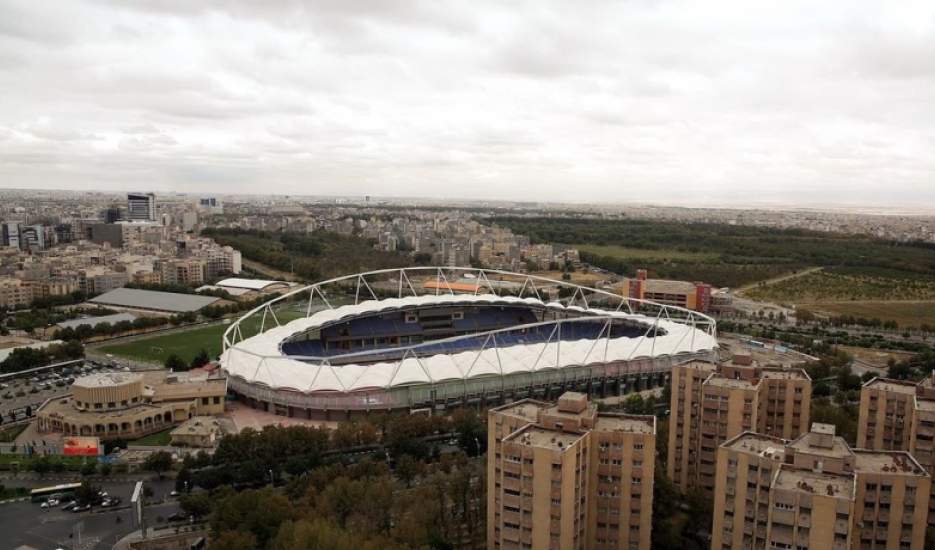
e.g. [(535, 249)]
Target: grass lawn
[(70, 462), (187, 343), (157, 439), (907, 314), (651, 255)]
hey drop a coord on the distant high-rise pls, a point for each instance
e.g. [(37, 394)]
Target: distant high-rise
[(112, 214), (32, 237), (141, 207), (11, 235)]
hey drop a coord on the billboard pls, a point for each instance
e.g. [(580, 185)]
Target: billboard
[(81, 446)]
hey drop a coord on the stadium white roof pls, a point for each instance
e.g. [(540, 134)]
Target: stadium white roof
[(250, 284), (259, 359)]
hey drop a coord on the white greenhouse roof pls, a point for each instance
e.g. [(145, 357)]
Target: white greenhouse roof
[(249, 284), (260, 360)]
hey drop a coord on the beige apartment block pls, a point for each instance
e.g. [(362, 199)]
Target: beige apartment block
[(565, 476), (886, 408), (685, 421), (900, 415), (712, 404), (817, 492)]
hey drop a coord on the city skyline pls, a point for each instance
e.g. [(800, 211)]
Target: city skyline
[(669, 103)]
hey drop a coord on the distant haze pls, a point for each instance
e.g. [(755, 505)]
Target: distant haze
[(812, 104)]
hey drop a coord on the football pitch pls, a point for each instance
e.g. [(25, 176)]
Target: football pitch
[(188, 343)]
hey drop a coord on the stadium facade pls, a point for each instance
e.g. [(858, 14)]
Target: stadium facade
[(430, 337)]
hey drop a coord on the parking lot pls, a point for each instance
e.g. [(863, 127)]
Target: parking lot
[(25, 523)]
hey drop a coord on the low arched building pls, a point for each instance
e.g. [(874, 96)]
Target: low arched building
[(130, 405)]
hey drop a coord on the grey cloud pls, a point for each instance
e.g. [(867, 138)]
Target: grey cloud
[(596, 100)]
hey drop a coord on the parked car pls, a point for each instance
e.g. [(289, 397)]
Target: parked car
[(81, 508)]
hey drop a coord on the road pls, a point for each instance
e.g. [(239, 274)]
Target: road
[(268, 271), (779, 279), (24, 523)]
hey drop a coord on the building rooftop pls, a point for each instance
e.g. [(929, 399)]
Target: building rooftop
[(700, 365), (726, 382), (106, 379), (888, 462), (808, 444), (817, 483), (890, 385), (536, 436), (172, 302), (94, 321), (527, 409), (758, 444), (668, 286), (65, 406), (784, 374), (168, 387), (249, 284), (555, 410), (632, 423)]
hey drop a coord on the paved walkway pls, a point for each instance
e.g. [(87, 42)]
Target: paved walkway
[(31, 436), (245, 417)]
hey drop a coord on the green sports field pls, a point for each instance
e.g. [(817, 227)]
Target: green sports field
[(187, 343)]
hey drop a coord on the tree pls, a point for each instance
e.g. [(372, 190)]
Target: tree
[(200, 360), (198, 504), (258, 513), (158, 462), (234, 540), (408, 468), (175, 363), (472, 433)]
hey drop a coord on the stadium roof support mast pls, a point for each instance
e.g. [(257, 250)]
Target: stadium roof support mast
[(234, 333)]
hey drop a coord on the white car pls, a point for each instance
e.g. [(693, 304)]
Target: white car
[(44, 506)]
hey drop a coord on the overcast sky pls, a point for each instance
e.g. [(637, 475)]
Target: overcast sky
[(807, 103)]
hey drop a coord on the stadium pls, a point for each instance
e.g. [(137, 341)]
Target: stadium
[(431, 338)]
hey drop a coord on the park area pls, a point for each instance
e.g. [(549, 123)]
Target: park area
[(187, 343), (905, 313)]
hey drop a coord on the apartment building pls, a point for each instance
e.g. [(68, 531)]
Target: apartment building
[(711, 404), (565, 476), (900, 415), (817, 492), (98, 280), (886, 410), (14, 293), (186, 271)]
